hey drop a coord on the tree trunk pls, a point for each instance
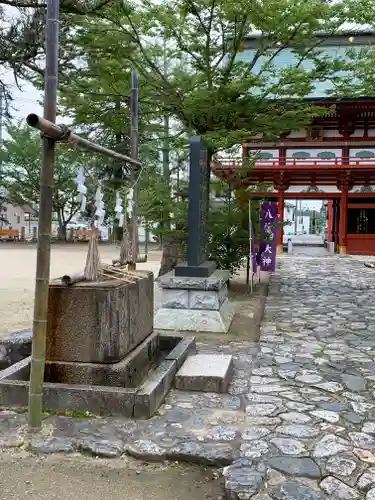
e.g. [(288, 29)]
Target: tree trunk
[(62, 231), (172, 255), (173, 249)]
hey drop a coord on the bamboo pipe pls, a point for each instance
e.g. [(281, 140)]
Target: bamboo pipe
[(72, 279), (38, 352), (64, 134)]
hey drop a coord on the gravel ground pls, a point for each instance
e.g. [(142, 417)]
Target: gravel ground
[(58, 478), (17, 277)]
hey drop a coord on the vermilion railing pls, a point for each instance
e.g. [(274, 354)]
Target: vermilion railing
[(308, 163)]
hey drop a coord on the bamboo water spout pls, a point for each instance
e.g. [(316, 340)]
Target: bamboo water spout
[(52, 133), (64, 134)]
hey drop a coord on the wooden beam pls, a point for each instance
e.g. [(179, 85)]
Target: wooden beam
[(361, 205), (308, 195)]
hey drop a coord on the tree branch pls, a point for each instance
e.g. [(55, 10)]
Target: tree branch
[(238, 39), (195, 12), (66, 6)]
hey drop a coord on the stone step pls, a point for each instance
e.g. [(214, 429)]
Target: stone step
[(205, 372)]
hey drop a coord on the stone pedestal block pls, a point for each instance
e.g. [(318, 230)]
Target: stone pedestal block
[(195, 304), (205, 372), (99, 322)]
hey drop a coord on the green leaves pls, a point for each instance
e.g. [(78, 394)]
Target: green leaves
[(223, 70), (196, 77), (20, 172)]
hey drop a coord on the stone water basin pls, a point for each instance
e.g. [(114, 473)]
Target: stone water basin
[(134, 387)]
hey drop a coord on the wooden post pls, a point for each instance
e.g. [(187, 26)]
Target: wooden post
[(343, 220), (330, 222), (335, 230), (280, 233), (135, 175)]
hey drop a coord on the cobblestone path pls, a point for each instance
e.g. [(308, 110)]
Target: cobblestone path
[(299, 422)]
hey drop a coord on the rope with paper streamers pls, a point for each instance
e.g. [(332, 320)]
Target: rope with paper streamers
[(93, 267), (82, 189)]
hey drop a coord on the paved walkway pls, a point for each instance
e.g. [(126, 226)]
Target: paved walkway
[(299, 422), (309, 251)]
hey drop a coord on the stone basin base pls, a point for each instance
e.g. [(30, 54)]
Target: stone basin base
[(134, 387)]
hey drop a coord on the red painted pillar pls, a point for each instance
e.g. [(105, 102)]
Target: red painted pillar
[(330, 221), (280, 210), (245, 155), (343, 223)]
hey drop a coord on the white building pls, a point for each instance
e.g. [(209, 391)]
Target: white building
[(13, 216), (298, 221)]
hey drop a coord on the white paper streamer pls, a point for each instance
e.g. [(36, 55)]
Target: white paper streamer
[(82, 189), (99, 205), (119, 209), (129, 202)]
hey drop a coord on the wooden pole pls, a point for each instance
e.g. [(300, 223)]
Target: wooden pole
[(135, 184), (280, 233), (250, 261), (45, 222)]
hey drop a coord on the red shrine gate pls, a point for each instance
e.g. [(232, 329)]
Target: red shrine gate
[(337, 153)]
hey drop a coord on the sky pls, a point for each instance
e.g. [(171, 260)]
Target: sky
[(26, 99)]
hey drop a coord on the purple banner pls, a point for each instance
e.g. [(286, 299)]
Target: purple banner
[(268, 236)]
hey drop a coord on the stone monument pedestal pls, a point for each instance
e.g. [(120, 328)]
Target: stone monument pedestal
[(195, 304), (195, 295)]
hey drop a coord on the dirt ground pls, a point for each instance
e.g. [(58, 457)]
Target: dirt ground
[(17, 282), (76, 477), (17, 276)]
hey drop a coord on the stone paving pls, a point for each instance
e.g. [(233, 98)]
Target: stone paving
[(299, 420)]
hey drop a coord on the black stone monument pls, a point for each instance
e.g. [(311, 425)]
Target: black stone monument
[(197, 265)]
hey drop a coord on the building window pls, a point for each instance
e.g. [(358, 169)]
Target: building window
[(361, 221), (301, 155), (326, 155), (264, 155), (365, 154), (18, 219)]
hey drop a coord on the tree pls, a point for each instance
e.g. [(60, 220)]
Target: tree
[(22, 35), (208, 88), (3, 202), (20, 170)]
